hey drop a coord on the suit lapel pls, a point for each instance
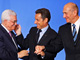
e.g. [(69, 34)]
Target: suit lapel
[(68, 33), (5, 32), (44, 37), (71, 36), (7, 35)]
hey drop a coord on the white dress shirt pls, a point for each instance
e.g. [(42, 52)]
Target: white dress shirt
[(77, 23), (42, 33)]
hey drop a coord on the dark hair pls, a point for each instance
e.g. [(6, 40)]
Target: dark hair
[(44, 13)]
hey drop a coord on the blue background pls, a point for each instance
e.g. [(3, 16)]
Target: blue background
[(25, 10)]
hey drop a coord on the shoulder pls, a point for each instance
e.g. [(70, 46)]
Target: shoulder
[(65, 26), (33, 28), (52, 32), (1, 30)]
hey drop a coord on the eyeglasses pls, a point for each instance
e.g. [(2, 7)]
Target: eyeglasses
[(15, 21)]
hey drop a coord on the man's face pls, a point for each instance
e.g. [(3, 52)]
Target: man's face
[(39, 21), (68, 14), (11, 24)]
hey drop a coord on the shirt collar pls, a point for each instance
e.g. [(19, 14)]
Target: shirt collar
[(5, 28), (44, 29), (77, 22)]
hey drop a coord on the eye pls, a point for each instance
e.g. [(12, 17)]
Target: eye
[(15, 21), (37, 19)]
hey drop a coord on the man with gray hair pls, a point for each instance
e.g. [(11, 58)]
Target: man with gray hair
[(8, 42), (68, 34)]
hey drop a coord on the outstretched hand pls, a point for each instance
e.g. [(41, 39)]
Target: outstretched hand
[(23, 53)]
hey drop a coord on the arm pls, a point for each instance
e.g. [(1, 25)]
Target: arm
[(55, 45), (20, 39), (49, 56)]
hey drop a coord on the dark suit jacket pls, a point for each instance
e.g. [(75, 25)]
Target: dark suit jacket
[(65, 40), (30, 42), (8, 50)]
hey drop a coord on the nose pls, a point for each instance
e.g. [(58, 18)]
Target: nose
[(15, 23), (64, 15), (35, 21)]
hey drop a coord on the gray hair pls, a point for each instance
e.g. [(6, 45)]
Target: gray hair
[(6, 14)]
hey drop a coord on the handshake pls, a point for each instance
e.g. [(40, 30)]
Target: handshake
[(39, 50)]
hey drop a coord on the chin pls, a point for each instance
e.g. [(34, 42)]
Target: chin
[(37, 27), (67, 21)]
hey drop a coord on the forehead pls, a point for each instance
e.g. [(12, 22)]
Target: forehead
[(13, 17), (38, 15), (66, 8)]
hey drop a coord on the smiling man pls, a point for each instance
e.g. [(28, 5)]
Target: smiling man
[(8, 42), (40, 35), (68, 34)]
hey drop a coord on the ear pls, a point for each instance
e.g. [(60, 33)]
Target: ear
[(46, 20), (75, 12)]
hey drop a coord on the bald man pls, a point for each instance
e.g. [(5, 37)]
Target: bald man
[(66, 38)]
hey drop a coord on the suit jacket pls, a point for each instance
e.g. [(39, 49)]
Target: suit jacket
[(8, 50), (30, 42), (65, 40)]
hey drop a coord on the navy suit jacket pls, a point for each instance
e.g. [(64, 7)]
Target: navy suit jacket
[(30, 42), (8, 50), (65, 40)]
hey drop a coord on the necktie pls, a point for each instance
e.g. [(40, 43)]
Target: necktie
[(38, 34), (13, 40), (74, 32)]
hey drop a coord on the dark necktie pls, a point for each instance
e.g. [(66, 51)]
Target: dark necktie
[(38, 34), (13, 39), (74, 32)]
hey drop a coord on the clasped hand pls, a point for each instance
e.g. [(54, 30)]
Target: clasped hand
[(39, 50)]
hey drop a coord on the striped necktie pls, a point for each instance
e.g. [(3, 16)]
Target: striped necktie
[(74, 32), (13, 40)]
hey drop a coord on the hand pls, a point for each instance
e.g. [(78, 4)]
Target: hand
[(42, 53), (23, 53), (38, 49), (17, 29)]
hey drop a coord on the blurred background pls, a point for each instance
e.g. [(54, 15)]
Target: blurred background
[(25, 10)]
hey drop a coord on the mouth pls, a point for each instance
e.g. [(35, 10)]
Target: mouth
[(37, 24)]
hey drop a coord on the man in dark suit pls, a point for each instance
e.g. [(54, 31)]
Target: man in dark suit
[(68, 35), (46, 36), (8, 42)]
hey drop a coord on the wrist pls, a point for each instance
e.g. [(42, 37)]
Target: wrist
[(18, 55), (19, 33)]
